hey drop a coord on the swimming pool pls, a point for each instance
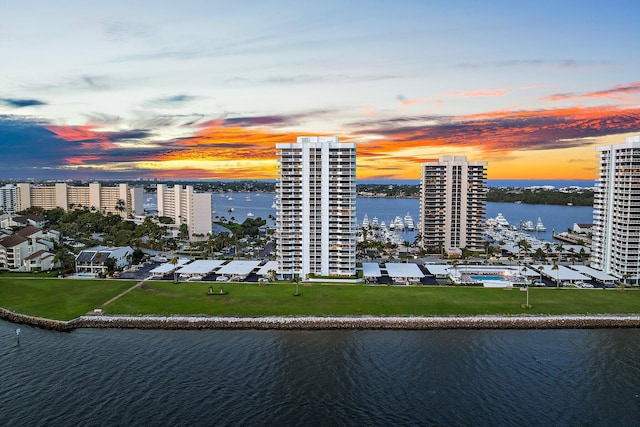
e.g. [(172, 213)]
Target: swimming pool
[(482, 278)]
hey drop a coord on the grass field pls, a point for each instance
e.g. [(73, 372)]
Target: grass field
[(59, 299), (64, 299)]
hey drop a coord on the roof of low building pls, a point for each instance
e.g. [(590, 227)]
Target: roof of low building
[(40, 254), (13, 240), (28, 231)]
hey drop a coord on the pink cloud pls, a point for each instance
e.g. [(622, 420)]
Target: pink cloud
[(617, 92)]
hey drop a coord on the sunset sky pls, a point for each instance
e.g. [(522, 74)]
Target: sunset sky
[(205, 89)]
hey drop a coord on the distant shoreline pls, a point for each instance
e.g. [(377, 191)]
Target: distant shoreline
[(327, 323)]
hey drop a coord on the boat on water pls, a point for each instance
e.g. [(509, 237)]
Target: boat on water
[(398, 224), (408, 222), (250, 215), (527, 226), (540, 226), (374, 221), (365, 221), (501, 221)]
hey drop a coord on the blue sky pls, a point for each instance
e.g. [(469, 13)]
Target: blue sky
[(204, 89)]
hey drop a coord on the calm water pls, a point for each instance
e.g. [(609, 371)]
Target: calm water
[(557, 218), (380, 378)]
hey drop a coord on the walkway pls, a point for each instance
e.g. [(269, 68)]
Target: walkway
[(137, 285)]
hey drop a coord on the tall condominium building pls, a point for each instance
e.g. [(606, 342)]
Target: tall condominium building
[(616, 210), (453, 204), (316, 208), (186, 207), (8, 202), (119, 200)]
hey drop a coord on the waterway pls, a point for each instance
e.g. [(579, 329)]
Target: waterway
[(112, 377), (554, 217)]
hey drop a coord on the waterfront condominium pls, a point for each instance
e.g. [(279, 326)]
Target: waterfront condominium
[(316, 208), (8, 202), (119, 200), (616, 211), (453, 204), (184, 206)]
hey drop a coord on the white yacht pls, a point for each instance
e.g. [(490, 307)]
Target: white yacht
[(527, 226), (398, 224), (408, 222), (540, 226), (501, 221), (365, 221)]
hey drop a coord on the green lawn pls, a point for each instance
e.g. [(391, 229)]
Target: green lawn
[(166, 298), (42, 274), (59, 299), (64, 299)]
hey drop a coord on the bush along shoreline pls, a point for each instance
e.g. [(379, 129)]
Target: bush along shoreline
[(327, 323)]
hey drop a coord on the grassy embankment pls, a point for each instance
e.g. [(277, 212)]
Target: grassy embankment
[(59, 299), (64, 299)]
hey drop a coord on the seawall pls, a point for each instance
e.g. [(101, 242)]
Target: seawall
[(324, 323), (38, 322), (359, 322)]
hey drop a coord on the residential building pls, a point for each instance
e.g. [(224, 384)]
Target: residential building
[(19, 247), (95, 261), (8, 202), (119, 200), (11, 220), (616, 211), (316, 208), (453, 198), (183, 206)]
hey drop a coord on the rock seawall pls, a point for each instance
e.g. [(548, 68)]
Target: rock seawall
[(324, 323), (39, 322), (360, 322)]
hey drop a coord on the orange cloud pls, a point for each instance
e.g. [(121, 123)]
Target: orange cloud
[(392, 147), (494, 134)]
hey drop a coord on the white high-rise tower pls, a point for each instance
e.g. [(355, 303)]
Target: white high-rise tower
[(616, 211), (453, 204), (316, 208)]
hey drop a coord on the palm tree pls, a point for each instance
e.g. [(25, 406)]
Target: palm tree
[(548, 249), (120, 206), (174, 262), (625, 277), (487, 245), (541, 268), (406, 249), (555, 267), (454, 264), (524, 246)]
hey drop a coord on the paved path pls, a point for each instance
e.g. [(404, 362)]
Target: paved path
[(137, 285)]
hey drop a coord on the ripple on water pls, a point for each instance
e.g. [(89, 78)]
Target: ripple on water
[(341, 377)]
